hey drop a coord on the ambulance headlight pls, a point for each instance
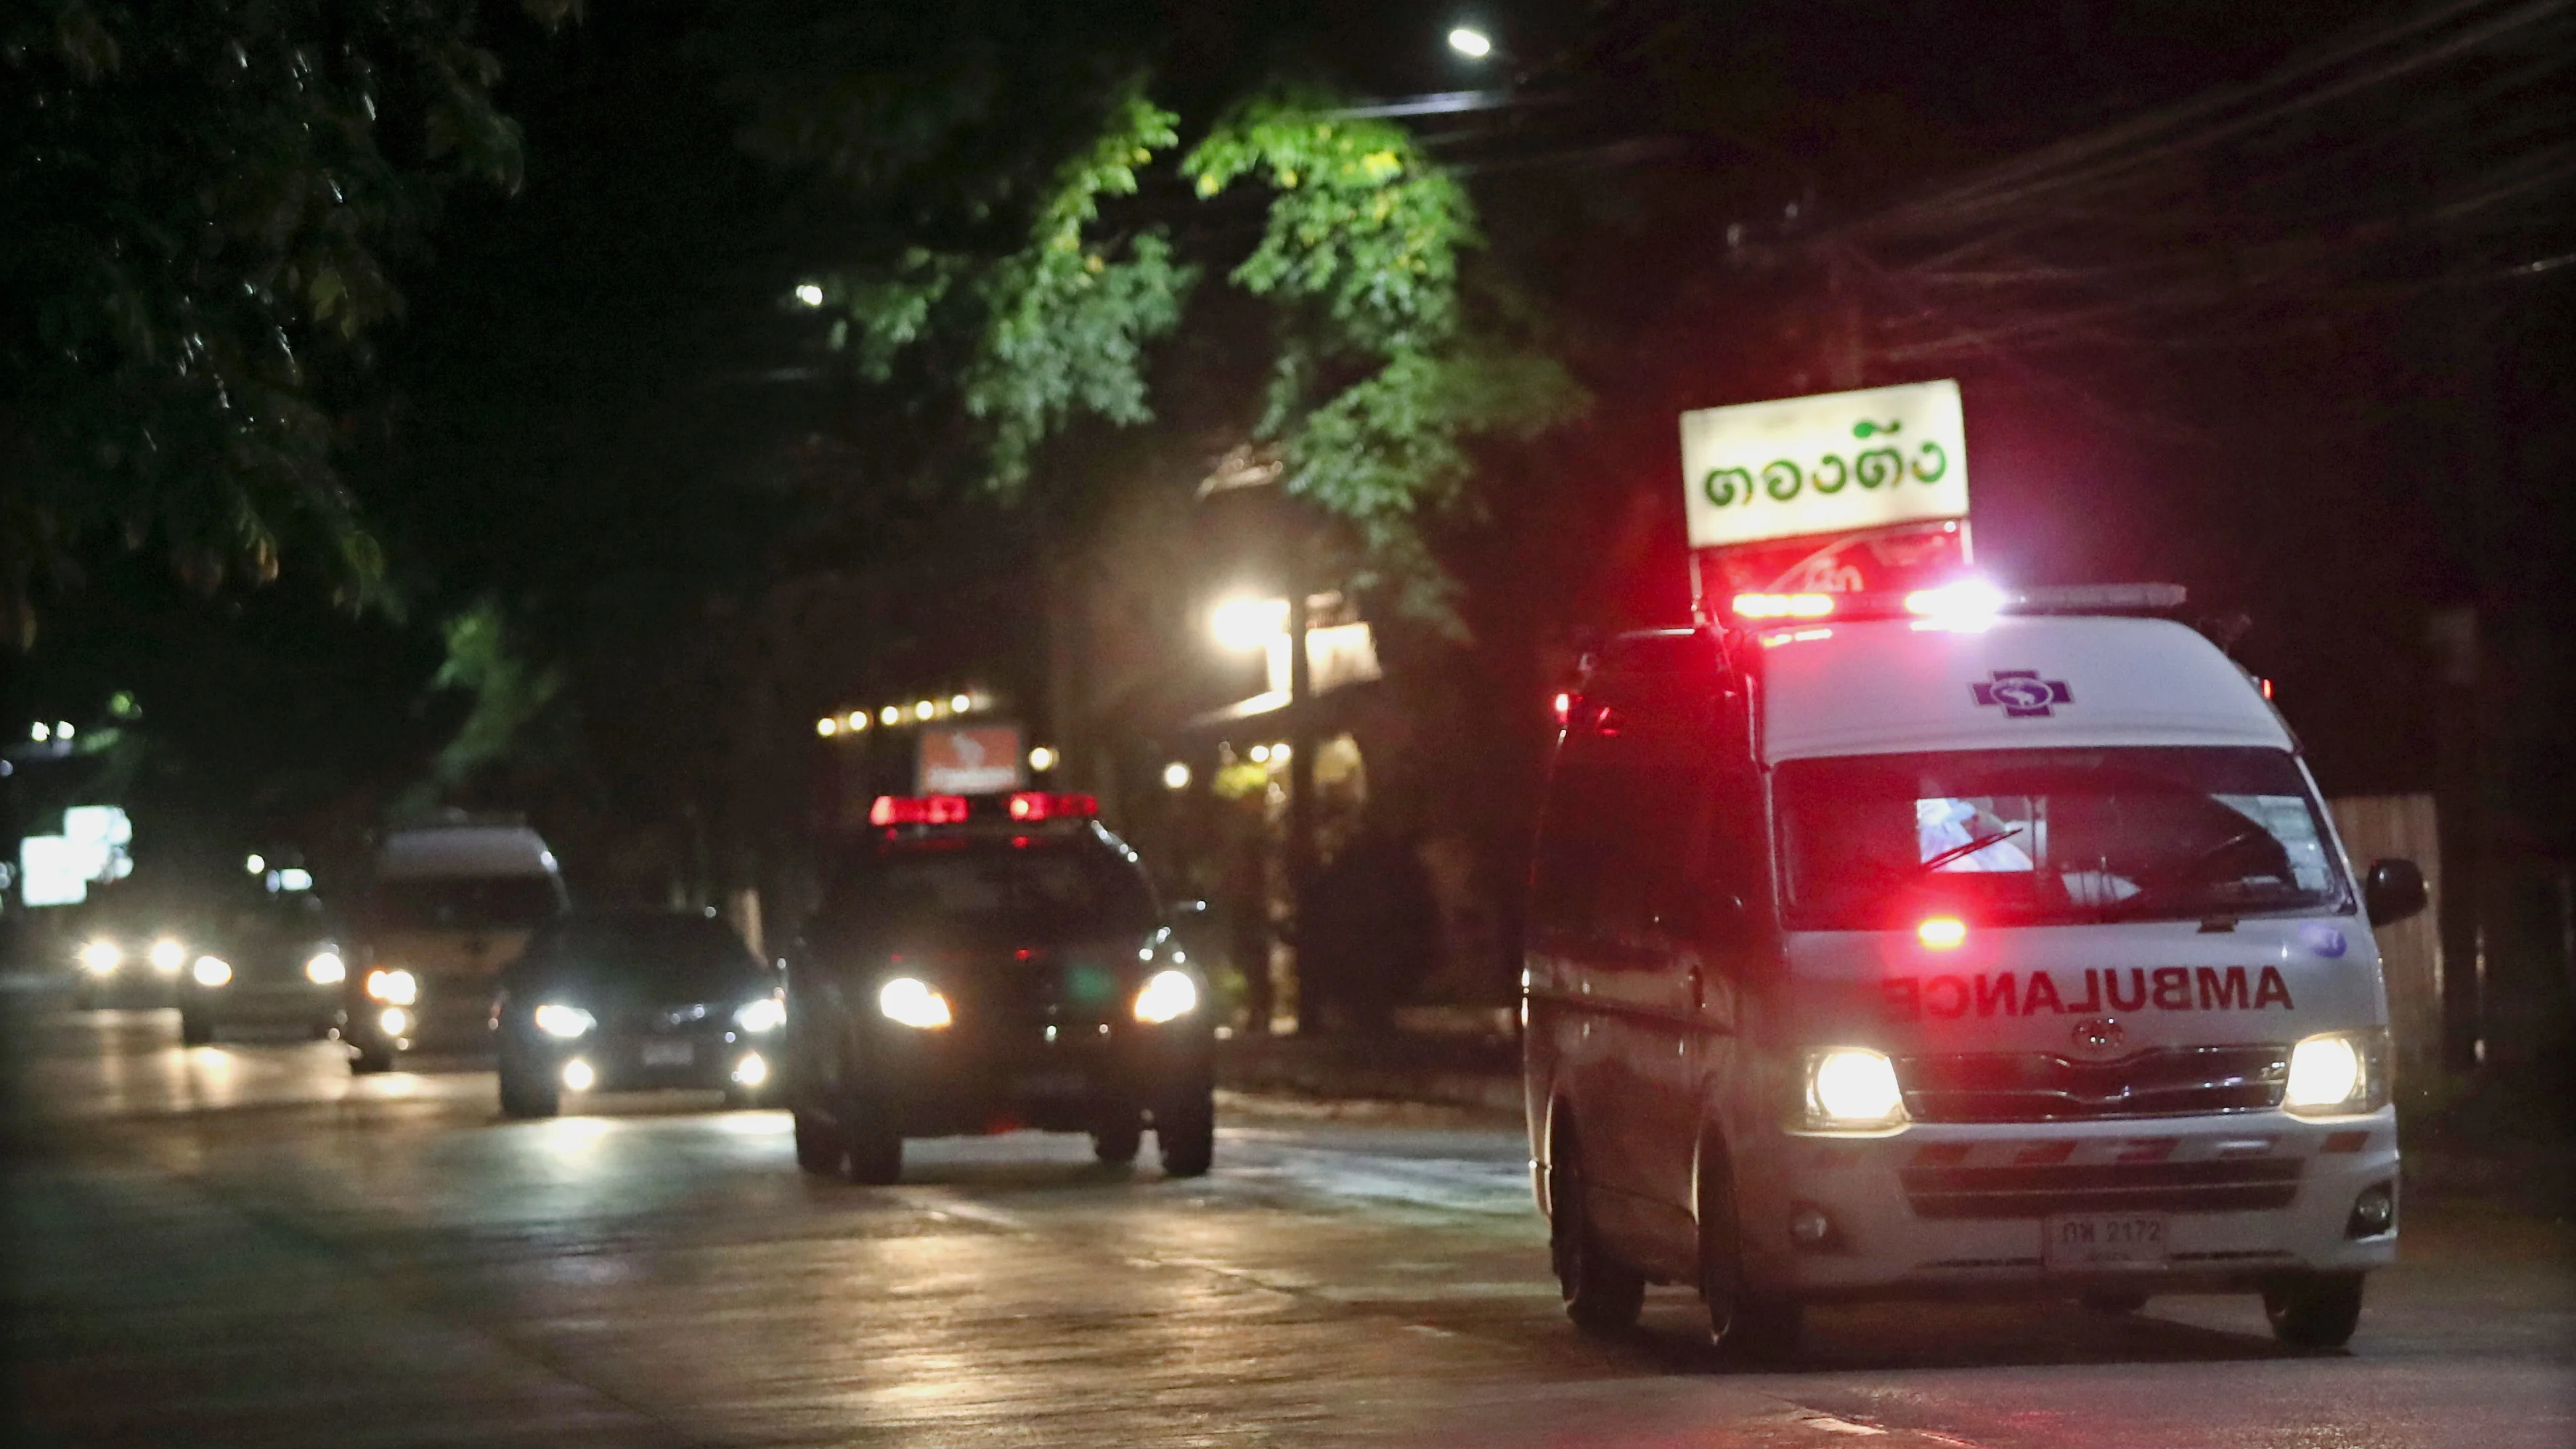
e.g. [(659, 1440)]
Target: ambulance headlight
[(101, 957), (766, 1014), (167, 956), (561, 1022), (2338, 1073), (212, 971), (326, 969), (1853, 1087), (397, 986), (914, 1004)]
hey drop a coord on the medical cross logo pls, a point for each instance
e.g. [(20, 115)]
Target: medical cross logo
[(2022, 693)]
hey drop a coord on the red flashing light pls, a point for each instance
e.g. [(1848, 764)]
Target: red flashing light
[(1942, 933), (918, 810), (1784, 606), (2267, 687), (1046, 805), (1564, 708)]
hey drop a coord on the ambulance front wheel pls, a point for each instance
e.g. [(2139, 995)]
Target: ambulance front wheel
[(2314, 1310), (1602, 1294), (1743, 1324)]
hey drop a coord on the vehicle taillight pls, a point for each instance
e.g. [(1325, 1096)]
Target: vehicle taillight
[(1783, 606), (1048, 805), (918, 810)]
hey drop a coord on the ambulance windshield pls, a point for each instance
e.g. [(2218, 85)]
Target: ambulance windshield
[(2043, 837)]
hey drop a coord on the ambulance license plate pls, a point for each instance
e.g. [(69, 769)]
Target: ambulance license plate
[(2092, 1241), (670, 1054)]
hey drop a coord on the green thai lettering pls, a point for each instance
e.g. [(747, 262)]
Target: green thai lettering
[(1880, 468), (1940, 457), (1723, 486), (1780, 479), (1833, 482)]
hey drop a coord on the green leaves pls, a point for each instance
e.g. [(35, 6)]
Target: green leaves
[(194, 211), (1378, 385)]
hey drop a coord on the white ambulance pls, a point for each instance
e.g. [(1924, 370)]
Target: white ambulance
[(450, 905), (1960, 943)]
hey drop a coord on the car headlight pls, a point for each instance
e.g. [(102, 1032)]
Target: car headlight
[(2338, 1073), (1853, 1087), (397, 986), (212, 971), (766, 1014), (326, 969), (913, 1004), (100, 957), (563, 1022), (167, 956), (1167, 996)]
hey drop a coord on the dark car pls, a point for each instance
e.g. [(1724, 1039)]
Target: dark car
[(634, 1001), (991, 963), (274, 964)]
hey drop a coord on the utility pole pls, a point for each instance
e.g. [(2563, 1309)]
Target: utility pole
[(1301, 778)]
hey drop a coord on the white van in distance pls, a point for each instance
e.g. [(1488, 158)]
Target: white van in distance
[(1952, 944), (450, 905)]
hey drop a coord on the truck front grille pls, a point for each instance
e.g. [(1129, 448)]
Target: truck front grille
[(2224, 1186), (2045, 1087)]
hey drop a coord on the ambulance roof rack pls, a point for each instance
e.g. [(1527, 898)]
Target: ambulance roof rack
[(1967, 599)]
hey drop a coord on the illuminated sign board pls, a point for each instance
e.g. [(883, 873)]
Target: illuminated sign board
[(979, 759), (1836, 464)]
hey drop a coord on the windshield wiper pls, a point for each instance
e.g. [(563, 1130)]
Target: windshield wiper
[(1960, 852)]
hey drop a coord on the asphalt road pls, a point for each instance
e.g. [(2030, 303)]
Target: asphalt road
[(245, 1245)]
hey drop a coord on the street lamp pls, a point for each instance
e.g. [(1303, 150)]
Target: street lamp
[(1248, 623), (809, 294), (1042, 759), (1471, 42), (1176, 776)]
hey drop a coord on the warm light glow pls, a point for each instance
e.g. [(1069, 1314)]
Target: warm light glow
[(1854, 1086), (1564, 706), (1247, 623), (578, 1077), (912, 1003), (101, 957), (751, 1071), (827, 727), (212, 971), (891, 714), (766, 1014), (395, 1021), (2325, 1071), (168, 956), (1942, 933), (1176, 776), (924, 710), (857, 721), (1261, 754), (563, 1022), (1042, 758), (809, 293), (1784, 606), (397, 986), (1473, 44), (326, 969), (256, 865), (959, 703), (1167, 996), (1279, 753), (1966, 600)]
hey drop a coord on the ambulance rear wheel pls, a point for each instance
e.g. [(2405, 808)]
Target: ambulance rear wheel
[(1602, 1294), (1743, 1324), (2314, 1310)]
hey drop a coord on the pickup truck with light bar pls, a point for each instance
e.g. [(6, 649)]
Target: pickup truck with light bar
[(989, 963), (1963, 942)]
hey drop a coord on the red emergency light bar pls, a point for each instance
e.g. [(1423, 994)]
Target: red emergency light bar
[(1047, 805), (1965, 598), (918, 810)]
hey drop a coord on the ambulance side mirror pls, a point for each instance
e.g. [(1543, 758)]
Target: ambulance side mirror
[(2394, 891)]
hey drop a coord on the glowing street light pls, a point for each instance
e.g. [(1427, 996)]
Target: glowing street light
[(924, 710), (1471, 42), (827, 727), (1042, 759), (812, 295), (1176, 776), (1245, 623), (256, 865), (959, 703), (858, 720), (891, 714)]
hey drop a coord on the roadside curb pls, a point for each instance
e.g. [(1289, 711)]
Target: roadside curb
[(1480, 1074)]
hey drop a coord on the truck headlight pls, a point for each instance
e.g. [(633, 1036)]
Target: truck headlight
[(100, 957), (2337, 1074), (167, 956), (212, 971), (563, 1022), (1167, 996), (1853, 1087), (326, 969), (397, 986), (766, 1014), (912, 1003)]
